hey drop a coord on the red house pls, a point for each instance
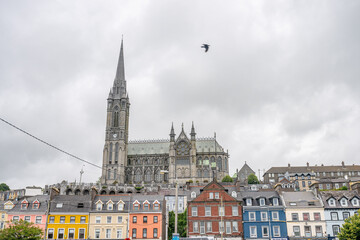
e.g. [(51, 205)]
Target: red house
[(215, 212)]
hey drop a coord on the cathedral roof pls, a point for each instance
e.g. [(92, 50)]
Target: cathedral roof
[(203, 145)]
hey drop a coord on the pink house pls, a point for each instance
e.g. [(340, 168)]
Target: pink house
[(31, 209)]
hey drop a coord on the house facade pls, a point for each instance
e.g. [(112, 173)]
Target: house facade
[(109, 217), (263, 215), (68, 217), (338, 205), (215, 213), (31, 209), (147, 217), (305, 217)]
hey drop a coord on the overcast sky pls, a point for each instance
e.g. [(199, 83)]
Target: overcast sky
[(280, 83)]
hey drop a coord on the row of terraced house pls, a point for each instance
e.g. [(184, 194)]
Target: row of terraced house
[(215, 210)]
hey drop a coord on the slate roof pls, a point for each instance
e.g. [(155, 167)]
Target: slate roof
[(203, 145), (70, 204), (43, 199), (151, 199), (255, 195), (115, 199), (337, 195), (302, 169), (301, 199)]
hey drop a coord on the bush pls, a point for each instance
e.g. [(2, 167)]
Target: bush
[(227, 178)]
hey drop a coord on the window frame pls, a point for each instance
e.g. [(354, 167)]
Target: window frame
[(52, 232), (262, 231), (207, 211), (80, 232), (250, 218), (73, 233), (194, 211), (275, 215), (278, 233), (255, 231)]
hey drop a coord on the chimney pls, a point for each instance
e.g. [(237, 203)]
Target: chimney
[(53, 192), (343, 164), (288, 165), (307, 164), (93, 193)]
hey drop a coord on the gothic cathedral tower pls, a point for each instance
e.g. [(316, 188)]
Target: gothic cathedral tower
[(117, 128)]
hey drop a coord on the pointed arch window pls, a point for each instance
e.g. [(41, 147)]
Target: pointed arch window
[(116, 117), (115, 170), (157, 176), (110, 153), (199, 173), (206, 174), (109, 174), (138, 176), (199, 161), (226, 164), (116, 153), (219, 163), (148, 176), (206, 161)]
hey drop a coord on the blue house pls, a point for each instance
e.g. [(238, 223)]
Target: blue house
[(263, 215)]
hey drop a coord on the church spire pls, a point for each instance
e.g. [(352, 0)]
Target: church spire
[(172, 133), (120, 71), (192, 134)]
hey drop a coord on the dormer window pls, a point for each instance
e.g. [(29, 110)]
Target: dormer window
[(332, 202), (121, 206), (136, 205), (343, 202), (355, 202), (146, 205), (248, 202), (110, 206), (156, 205), (36, 205), (275, 202), (193, 194), (99, 206), (262, 201), (24, 205), (253, 187)]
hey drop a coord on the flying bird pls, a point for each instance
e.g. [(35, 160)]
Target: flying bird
[(206, 46)]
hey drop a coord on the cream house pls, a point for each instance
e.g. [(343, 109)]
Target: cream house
[(304, 215), (109, 217)]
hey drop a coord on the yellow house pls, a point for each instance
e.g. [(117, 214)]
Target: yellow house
[(4, 207), (109, 217), (68, 217)]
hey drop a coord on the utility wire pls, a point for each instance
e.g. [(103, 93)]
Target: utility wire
[(50, 145)]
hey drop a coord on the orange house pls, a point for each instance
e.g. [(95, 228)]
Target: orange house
[(147, 217)]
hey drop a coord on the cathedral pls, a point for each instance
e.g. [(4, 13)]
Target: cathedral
[(183, 158)]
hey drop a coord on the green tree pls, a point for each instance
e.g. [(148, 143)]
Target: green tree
[(351, 228), (182, 224), (4, 187), (227, 178), (252, 179), (20, 230)]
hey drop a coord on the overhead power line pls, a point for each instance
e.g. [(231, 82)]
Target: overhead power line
[(50, 145)]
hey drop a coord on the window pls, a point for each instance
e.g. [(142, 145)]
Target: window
[(334, 216), (336, 229), (72, 219), (108, 219), (228, 227), (134, 232), (317, 216), (156, 206), (38, 219), (108, 233), (136, 206), (36, 205), (121, 207), (320, 186), (346, 215), (275, 201), (193, 194), (71, 233), (221, 227), (276, 231), (355, 202), (81, 233), (50, 234), (61, 233), (221, 211), (296, 230), (51, 219), (332, 202), (253, 233), (82, 219), (307, 230), (98, 207), (207, 211), (252, 216), (97, 219), (275, 216), (328, 186), (97, 233), (262, 201), (120, 219), (144, 232), (145, 219), (146, 206), (155, 235), (134, 219), (62, 219), (264, 216), (118, 233), (235, 211), (303, 183), (265, 231), (110, 206), (233, 194), (336, 186), (217, 195), (194, 211), (343, 202), (295, 217), (27, 218), (248, 202), (195, 227), (15, 218), (24, 205), (209, 226), (202, 227), (235, 227), (211, 195), (306, 216), (318, 231)]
